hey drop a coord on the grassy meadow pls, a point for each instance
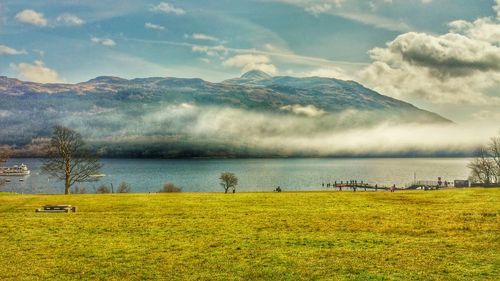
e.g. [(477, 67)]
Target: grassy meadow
[(413, 235)]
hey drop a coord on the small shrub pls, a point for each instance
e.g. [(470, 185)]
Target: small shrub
[(124, 188), (103, 189), (170, 187)]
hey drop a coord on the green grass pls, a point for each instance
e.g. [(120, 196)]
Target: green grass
[(439, 235)]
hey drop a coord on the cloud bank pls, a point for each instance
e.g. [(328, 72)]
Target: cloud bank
[(459, 67), (300, 130)]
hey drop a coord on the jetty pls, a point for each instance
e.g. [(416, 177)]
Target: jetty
[(355, 185)]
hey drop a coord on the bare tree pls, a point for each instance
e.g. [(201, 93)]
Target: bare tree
[(228, 180), (103, 189), (485, 168), (170, 187), (494, 148), (124, 188), (69, 159)]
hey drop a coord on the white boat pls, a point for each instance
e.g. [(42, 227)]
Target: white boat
[(21, 170)]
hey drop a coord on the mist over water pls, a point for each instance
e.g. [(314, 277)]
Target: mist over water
[(297, 131)]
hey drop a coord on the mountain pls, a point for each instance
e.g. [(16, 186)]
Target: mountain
[(175, 117)]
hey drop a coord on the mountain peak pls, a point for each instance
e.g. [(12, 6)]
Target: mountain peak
[(107, 79), (256, 75)]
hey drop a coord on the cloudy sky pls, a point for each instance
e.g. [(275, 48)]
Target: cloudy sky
[(441, 55)]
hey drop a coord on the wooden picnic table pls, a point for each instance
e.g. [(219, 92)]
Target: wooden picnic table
[(62, 208)]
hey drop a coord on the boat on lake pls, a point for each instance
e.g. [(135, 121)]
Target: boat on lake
[(17, 170)]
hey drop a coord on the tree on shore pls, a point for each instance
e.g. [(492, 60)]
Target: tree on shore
[(228, 180), (124, 188), (485, 168), (4, 154), (103, 189), (69, 160), (170, 187)]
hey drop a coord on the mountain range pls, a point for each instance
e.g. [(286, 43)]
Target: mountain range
[(175, 117)]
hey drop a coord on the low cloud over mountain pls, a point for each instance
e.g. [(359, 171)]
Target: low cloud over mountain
[(254, 115)]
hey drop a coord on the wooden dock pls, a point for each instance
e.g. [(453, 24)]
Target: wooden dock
[(355, 185)]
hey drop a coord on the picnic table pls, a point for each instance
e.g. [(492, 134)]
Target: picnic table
[(57, 209)]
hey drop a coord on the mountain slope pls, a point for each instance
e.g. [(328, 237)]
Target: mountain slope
[(172, 115)]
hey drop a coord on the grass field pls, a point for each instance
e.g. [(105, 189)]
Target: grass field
[(438, 235)]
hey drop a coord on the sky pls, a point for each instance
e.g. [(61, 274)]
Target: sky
[(440, 55)]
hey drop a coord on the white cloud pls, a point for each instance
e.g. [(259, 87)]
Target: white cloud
[(460, 67), (168, 8), (153, 26), (201, 36), (70, 20), (443, 69), (307, 110), (210, 51), (484, 29), (426, 1), (36, 72), (31, 17), (249, 62), (317, 9), (6, 50), (103, 41), (328, 72)]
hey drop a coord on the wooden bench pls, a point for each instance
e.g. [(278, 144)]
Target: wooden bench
[(57, 209)]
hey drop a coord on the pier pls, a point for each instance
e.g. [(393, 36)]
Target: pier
[(354, 185)]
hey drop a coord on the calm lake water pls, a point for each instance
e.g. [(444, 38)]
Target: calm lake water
[(254, 174)]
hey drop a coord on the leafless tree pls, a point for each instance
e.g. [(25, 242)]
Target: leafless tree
[(494, 148), (228, 180), (485, 168), (103, 189), (69, 159), (170, 187), (124, 188)]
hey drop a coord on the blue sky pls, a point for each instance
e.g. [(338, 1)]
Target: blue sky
[(367, 41)]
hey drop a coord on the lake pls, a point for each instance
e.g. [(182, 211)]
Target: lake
[(149, 175)]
